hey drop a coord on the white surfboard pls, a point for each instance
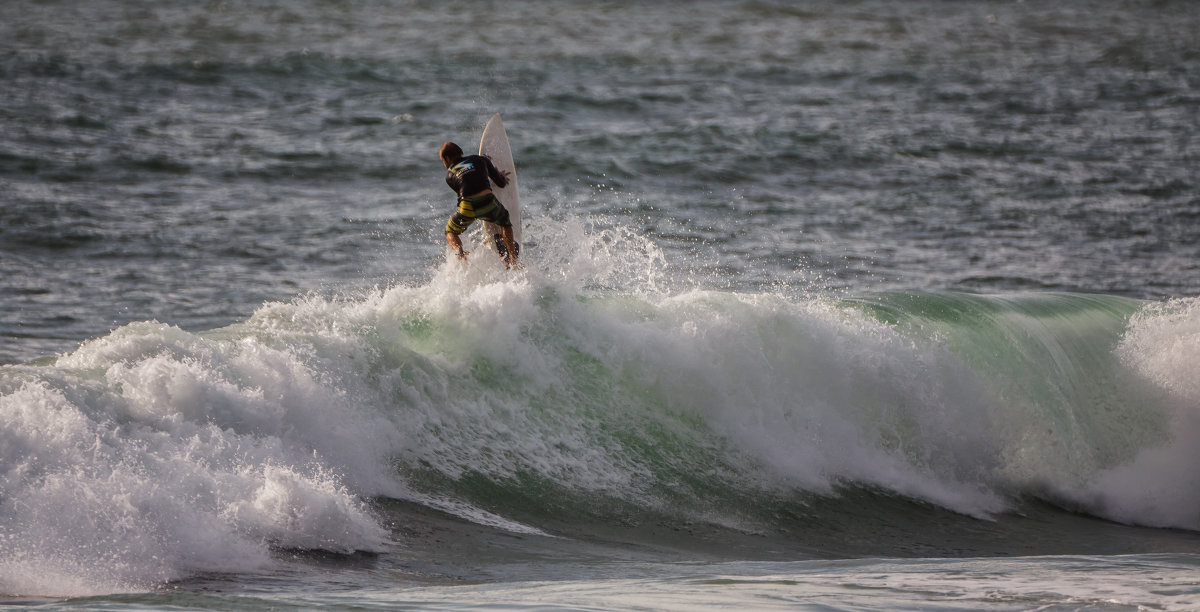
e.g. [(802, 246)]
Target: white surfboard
[(494, 144)]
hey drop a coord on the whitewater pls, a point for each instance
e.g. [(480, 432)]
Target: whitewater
[(504, 398)]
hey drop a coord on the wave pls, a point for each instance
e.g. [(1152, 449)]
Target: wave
[(584, 384)]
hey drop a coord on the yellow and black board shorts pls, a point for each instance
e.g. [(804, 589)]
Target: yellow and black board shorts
[(485, 208)]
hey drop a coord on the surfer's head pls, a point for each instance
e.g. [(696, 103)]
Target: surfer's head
[(450, 154)]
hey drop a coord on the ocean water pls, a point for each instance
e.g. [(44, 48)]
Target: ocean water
[(827, 305)]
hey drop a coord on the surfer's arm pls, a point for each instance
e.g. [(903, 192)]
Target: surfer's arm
[(498, 177)]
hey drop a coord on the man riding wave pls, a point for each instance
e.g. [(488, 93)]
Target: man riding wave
[(471, 177)]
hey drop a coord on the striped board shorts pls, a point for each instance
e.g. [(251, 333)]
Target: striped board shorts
[(485, 208)]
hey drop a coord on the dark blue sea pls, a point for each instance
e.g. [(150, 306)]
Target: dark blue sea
[(864, 305)]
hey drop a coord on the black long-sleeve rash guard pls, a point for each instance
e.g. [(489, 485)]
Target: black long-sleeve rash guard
[(470, 176)]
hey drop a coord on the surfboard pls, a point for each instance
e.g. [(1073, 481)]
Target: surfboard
[(494, 144)]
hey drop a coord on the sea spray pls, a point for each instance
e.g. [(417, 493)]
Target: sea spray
[(153, 454), (1161, 486)]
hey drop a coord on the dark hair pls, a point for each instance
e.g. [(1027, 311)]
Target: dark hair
[(450, 153)]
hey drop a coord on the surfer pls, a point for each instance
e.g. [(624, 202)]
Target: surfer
[(469, 178)]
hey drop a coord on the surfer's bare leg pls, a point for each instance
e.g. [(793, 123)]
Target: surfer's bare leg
[(510, 243), (456, 244)]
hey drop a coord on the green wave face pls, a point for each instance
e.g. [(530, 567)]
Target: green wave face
[(701, 402)]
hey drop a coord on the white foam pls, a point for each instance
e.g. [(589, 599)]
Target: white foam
[(1161, 486), (817, 395), (181, 456), (1163, 345)]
